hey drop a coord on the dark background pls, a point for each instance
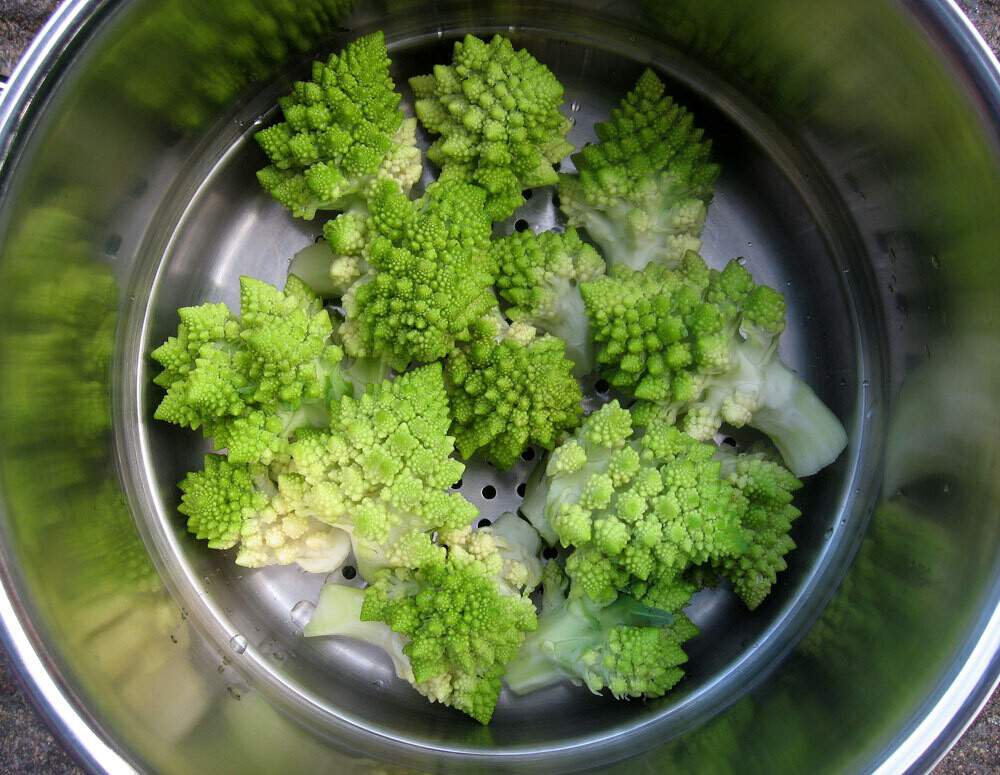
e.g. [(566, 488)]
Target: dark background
[(26, 745)]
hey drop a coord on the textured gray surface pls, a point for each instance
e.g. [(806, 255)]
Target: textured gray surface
[(27, 746)]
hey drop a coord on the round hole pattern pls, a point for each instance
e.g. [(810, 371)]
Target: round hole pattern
[(489, 492), (520, 489), (457, 485), (550, 552), (602, 386), (349, 572), (520, 225), (483, 523), (528, 454)]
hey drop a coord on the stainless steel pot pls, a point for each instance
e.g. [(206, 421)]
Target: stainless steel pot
[(862, 177)]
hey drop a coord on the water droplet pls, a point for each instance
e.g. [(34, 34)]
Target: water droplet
[(828, 533), (788, 283), (302, 612), (377, 684), (843, 382), (233, 693), (741, 261), (238, 643), (279, 656), (749, 244), (440, 34), (845, 269), (935, 262), (574, 106), (946, 489)]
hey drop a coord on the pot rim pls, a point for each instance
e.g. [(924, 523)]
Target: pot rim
[(967, 688)]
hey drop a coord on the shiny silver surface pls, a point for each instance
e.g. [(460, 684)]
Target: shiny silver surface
[(861, 178)]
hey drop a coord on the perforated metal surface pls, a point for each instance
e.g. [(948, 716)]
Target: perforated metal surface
[(765, 209)]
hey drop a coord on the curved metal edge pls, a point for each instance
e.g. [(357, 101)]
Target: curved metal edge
[(965, 694), (49, 698), (926, 744), (55, 44)]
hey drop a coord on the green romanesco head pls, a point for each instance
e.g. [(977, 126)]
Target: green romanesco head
[(641, 192), (507, 551), (462, 631), (343, 130), (496, 110), (534, 270), (429, 286), (639, 511), (218, 499), (664, 334), (637, 661), (626, 647), (768, 487), (250, 382), (231, 504), (383, 471), (282, 533), (539, 276), (510, 394)]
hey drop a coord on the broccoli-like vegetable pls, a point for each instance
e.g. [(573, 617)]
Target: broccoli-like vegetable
[(627, 648), (229, 503), (539, 275), (641, 192), (767, 487), (428, 280), (497, 113), (451, 625), (343, 131), (511, 392), (252, 382), (462, 630), (703, 344), (508, 551), (381, 474), (638, 511)]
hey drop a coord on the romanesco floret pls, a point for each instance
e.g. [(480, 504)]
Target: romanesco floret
[(343, 131), (626, 648), (511, 392), (461, 629), (638, 511), (251, 382), (768, 488), (229, 504), (539, 276), (641, 192), (450, 626), (702, 344), (497, 113), (507, 550), (428, 286), (383, 472)]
